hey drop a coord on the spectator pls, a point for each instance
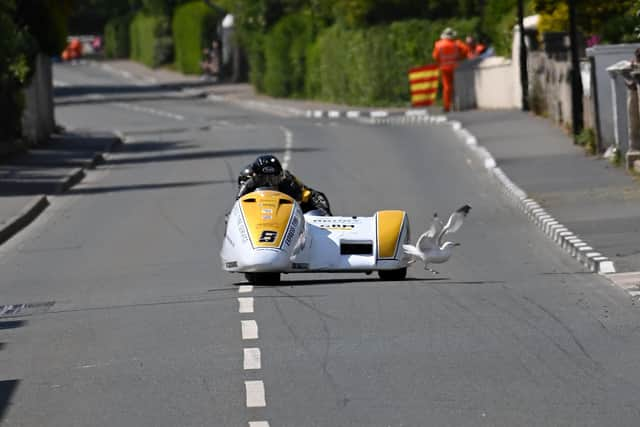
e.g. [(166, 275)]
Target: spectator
[(211, 61), (448, 52), (96, 44), (475, 48)]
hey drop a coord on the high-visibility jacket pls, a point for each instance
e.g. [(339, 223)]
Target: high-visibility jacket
[(448, 52)]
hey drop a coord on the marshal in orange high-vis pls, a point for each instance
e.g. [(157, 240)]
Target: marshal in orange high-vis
[(423, 82)]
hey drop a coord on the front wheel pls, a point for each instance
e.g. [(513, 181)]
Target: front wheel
[(263, 278), (399, 274)]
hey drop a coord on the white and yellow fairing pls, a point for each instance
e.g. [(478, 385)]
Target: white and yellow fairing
[(267, 232)]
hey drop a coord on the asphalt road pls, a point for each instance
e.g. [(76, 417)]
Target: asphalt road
[(133, 323)]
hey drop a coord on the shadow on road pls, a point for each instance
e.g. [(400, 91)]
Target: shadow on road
[(145, 146), (81, 90), (205, 154), (12, 324), (91, 100), (44, 168), (7, 389), (411, 280), (344, 281), (121, 188)]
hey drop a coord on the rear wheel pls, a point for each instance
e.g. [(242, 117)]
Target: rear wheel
[(263, 278), (399, 274)]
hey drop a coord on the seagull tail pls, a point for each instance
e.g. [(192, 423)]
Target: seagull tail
[(412, 250)]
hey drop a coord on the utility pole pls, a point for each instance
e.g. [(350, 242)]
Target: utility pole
[(576, 81), (524, 75)]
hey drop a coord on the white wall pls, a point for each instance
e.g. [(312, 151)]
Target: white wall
[(494, 84)]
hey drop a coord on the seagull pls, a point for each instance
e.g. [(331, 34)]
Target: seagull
[(429, 247)]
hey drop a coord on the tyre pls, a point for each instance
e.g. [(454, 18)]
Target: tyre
[(263, 278), (399, 274)]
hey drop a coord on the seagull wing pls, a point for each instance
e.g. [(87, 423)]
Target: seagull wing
[(454, 223), (426, 241)]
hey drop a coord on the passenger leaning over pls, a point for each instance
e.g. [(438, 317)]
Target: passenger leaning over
[(448, 52)]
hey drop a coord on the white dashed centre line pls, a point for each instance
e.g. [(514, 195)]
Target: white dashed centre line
[(258, 424), (252, 358), (255, 394), (245, 305), (245, 289), (288, 136), (249, 329)]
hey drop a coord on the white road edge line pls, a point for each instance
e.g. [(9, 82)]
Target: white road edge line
[(288, 137), (255, 394), (252, 358), (245, 305), (245, 289), (249, 329), (258, 423)]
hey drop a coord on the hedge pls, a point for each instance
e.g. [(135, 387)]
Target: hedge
[(150, 39), (194, 28), (285, 50), (369, 66), (116, 37), (253, 43)]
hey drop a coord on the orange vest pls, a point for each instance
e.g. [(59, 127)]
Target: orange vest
[(447, 53)]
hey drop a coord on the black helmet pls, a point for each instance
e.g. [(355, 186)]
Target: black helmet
[(246, 173), (267, 171)]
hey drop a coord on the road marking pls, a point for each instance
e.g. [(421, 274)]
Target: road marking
[(258, 424), (255, 394), (249, 329), (288, 137), (58, 83), (245, 305), (148, 110), (252, 358), (245, 289)]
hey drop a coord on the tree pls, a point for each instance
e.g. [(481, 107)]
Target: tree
[(613, 20), (17, 49)]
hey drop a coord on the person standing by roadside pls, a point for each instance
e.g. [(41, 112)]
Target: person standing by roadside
[(447, 52), (475, 48)]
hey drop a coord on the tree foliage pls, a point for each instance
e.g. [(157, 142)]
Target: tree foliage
[(614, 21)]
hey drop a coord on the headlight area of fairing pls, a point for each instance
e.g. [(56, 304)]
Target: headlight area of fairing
[(263, 260)]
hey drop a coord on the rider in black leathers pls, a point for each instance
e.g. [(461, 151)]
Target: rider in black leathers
[(266, 171)]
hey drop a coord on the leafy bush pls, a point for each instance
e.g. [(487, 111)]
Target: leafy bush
[(587, 139), (194, 28), (498, 20), (116, 37), (370, 65), (286, 55), (150, 39), (254, 45)]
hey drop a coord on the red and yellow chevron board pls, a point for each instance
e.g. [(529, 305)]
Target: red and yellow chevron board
[(423, 82)]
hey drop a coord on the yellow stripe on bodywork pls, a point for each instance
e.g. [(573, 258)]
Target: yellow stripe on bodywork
[(266, 212), (389, 225)]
